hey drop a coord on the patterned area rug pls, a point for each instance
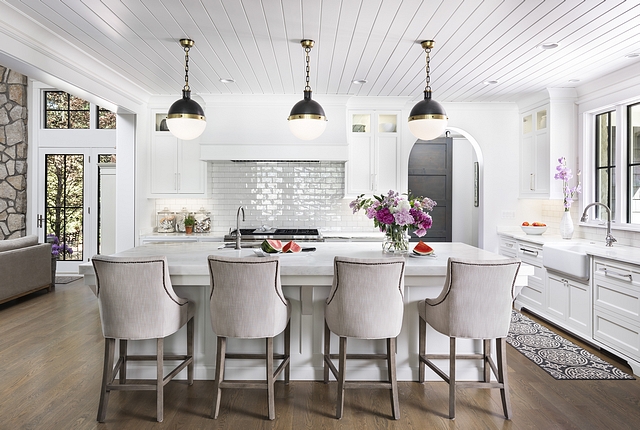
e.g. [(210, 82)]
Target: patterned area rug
[(66, 279), (555, 354)]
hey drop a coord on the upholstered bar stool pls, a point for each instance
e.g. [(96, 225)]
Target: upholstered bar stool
[(136, 301), (247, 302), (475, 303), (365, 302)]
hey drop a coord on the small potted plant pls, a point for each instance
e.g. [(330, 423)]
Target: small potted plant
[(189, 221), (56, 249)]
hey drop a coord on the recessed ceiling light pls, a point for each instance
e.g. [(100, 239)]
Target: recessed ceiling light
[(548, 45), (633, 55), (359, 81), (573, 81), (490, 82), (227, 80)]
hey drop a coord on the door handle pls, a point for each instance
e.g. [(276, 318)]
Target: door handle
[(40, 220)]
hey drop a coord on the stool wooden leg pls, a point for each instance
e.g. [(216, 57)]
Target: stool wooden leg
[(486, 352), (287, 352), (452, 377), (160, 377), (123, 355), (270, 379), (501, 350), (327, 351), (391, 368), (190, 336), (422, 347), (341, 376), (109, 350), (217, 391)]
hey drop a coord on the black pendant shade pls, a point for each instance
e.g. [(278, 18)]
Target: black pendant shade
[(427, 109), (307, 109), (186, 108)]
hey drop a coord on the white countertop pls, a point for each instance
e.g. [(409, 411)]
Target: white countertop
[(190, 258), (627, 254)]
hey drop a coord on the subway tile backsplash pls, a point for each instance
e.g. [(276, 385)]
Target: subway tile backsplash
[(277, 194)]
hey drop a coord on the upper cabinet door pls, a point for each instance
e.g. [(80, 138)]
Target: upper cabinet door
[(176, 167), (372, 167)]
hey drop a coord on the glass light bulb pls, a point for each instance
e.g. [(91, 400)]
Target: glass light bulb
[(427, 129), (307, 129), (186, 128)]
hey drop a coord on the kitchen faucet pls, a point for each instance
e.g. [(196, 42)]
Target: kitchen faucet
[(608, 241), (238, 226)]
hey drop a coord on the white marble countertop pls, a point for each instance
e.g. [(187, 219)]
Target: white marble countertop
[(627, 254), (190, 258)]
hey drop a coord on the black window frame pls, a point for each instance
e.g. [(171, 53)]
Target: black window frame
[(68, 110)]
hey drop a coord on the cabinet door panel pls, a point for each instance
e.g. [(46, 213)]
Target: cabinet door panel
[(579, 312), (191, 169), (387, 178), (557, 298), (164, 164), (360, 165)]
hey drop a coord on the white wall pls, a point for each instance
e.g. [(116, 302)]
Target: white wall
[(495, 126)]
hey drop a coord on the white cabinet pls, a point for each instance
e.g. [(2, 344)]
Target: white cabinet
[(533, 295), (176, 167), (548, 126), (534, 154), (374, 150), (569, 304), (616, 296)]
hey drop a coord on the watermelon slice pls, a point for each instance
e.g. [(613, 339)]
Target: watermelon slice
[(291, 247), (271, 246), (422, 249)]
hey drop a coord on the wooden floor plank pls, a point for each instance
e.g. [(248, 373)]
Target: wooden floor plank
[(51, 351)]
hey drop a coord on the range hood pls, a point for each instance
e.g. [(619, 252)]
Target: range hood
[(233, 133)]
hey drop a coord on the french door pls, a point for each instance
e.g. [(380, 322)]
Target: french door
[(67, 202)]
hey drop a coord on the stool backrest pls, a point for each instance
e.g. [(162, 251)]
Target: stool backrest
[(366, 299), (246, 297), (478, 296), (136, 298)]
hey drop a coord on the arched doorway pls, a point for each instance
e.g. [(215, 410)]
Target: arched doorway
[(462, 191)]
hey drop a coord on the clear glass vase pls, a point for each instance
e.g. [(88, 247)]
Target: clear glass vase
[(566, 225), (396, 240)]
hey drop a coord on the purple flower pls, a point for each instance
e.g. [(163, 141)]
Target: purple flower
[(384, 216), (403, 217)]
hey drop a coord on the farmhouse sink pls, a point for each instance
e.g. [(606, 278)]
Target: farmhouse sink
[(568, 258)]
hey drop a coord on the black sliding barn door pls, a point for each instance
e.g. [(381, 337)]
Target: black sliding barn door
[(430, 175)]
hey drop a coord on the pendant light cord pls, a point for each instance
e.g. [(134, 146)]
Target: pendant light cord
[(186, 69), (307, 50), (428, 86)]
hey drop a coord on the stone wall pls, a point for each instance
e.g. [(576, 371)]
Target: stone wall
[(13, 153)]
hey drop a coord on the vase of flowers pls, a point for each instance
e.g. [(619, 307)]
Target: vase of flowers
[(394, 214), (564, 174), (56, 250)]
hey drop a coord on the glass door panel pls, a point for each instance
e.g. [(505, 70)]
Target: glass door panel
[(64, 203)]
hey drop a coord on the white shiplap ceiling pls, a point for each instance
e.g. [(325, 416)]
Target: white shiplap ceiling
[(256, 42)]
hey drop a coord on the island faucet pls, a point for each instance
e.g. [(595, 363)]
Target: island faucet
[(238, 226), (608, 241)]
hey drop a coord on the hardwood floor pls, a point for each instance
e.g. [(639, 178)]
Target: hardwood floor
[(51, 351)]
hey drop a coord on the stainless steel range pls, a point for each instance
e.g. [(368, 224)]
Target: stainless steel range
[(262, 233)]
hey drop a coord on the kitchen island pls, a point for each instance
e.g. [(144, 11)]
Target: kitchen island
[(306, 279)]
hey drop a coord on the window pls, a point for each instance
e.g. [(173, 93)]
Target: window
[(62, 110), (605, 162), (106, 119), (633, 164)]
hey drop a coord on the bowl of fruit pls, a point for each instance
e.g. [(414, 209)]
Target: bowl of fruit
[(534, 227)]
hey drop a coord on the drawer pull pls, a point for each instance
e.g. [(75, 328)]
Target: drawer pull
[(530, 252), (617, 275), (509, 245)]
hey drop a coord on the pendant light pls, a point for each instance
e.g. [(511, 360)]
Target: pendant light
[(427, 119), (307, 120), (185, 118)]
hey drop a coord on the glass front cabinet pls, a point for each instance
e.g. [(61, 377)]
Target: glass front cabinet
[(374, 151)]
